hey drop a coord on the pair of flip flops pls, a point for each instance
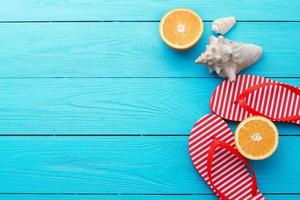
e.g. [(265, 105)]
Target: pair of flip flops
[(211, 143)]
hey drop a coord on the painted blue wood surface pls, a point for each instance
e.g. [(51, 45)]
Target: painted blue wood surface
[(130, 197), (133, 50), (97, 71), (108, 106), (126, 165), (34, 10)]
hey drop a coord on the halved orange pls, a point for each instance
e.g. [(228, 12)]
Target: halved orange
[(181, 28), (256, 138)]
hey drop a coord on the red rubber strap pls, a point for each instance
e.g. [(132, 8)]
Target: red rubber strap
[(242, 97), (218, 143)]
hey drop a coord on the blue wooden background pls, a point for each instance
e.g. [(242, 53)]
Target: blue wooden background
[(93, 105)]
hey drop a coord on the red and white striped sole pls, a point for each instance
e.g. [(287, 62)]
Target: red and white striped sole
[(272, 101), (229, 174)]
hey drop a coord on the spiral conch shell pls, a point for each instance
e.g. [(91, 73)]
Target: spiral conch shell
[(227, 58), (223, 25)]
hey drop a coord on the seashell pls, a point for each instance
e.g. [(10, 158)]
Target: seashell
[(227, 58), (223, 25)]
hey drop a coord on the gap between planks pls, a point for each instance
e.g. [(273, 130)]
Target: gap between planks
[(132, 194), (113, 135), (137, 77), (133, 21)]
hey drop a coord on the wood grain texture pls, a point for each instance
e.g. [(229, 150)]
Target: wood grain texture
[(108, 106), (146, 9), (48, 85), (125, 165), (132, 50), (131, 197)]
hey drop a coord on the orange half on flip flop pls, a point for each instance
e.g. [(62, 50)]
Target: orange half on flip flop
[(254, 95), (215, 157)]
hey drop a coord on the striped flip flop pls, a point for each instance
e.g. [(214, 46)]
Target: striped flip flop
[(253, 95), (214, 155)]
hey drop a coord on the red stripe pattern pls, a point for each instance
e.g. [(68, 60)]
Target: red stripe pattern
[(229, 174), (273, 101)]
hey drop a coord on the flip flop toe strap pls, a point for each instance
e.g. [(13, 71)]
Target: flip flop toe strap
[(218, 143), (241, 100)]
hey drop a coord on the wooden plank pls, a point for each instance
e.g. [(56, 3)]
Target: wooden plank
[(108, 106), (132, 50), (125, 165), (132, 197), (146, 9)]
